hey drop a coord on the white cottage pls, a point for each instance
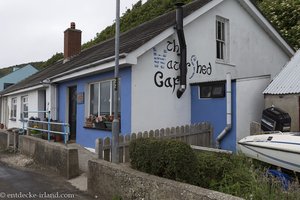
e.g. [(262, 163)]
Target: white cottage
[(213, 68)]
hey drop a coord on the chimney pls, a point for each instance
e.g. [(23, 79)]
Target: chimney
[(72, 42)]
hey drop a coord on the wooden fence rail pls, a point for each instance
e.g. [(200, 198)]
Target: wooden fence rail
[(196, 134)]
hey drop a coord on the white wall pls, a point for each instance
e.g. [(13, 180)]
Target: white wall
[(250, 103), (156, 107), (252, 54), (33, 105)]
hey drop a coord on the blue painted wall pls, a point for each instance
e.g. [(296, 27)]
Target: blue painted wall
[(86, 137), (213, 110)]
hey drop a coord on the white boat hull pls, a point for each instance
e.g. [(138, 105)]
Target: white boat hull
[(280, 149)]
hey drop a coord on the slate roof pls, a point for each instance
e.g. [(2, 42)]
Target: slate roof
[(288, 80), (129, 41)]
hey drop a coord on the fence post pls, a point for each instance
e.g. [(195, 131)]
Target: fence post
[(49, 125), (151, 134), (107, 149), (126, 148), (145, 134), (162, 133), (121, 149), (99, 148), (156, 133)]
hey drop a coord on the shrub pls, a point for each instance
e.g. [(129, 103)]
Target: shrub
[(166, 158), (239, 176)]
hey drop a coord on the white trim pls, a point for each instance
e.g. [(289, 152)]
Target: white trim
[(260, 19), (108, 59), (253, 78), (92, 70), (190, 18), (168, 32), (24, 90)]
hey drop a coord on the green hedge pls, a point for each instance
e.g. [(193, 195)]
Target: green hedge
[(231, 174), (165, 158)]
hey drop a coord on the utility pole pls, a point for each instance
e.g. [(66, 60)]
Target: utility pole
[(116, 122)]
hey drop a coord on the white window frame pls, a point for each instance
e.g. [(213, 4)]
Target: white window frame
[(22, 107), (14, 105), (224, 41), (99, 93)]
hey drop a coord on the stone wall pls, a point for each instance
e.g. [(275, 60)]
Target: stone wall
[(55, 155), (108, 180)]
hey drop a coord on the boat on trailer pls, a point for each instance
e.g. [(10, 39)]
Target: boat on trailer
[(281, 149)]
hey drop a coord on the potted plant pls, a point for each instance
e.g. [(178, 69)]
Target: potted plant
[(89, 121), (36, 133), (98, 122)]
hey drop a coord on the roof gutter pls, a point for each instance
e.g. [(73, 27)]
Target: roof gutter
[(23, 90), (182, 44)]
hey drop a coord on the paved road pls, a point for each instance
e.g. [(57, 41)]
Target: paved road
[(18, 183)]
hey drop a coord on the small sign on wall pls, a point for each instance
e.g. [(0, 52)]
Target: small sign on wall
[(80, 98)]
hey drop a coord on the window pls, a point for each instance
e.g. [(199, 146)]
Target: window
[(13, 111), (24, 107), (222, 45), (212, 90), (6, 85), (101, 98)]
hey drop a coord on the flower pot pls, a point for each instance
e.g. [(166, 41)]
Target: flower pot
[(108, 125), (58, 138), (99, 125), (37, 135)]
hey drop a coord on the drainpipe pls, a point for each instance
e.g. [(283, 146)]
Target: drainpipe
[(228, 111), (182, 44)]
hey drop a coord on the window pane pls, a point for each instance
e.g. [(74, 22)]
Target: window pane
[(205, 91), (220, 50), (219, 30), (218, 90), (223, 32), (24, 107), (13, 112), (105, 98), (94, 94)]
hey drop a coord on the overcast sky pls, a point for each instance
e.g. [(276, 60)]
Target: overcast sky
[(32, 30)]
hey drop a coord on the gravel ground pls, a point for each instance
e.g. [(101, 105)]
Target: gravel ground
[(19, 160), (16, 159)]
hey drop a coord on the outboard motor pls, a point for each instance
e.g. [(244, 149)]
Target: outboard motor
[(275, 119)]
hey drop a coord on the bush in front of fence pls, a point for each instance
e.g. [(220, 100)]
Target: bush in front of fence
[(170, 159)]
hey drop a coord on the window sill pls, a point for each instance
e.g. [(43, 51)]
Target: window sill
[(13, 119), (23, 120), (95, 128)]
